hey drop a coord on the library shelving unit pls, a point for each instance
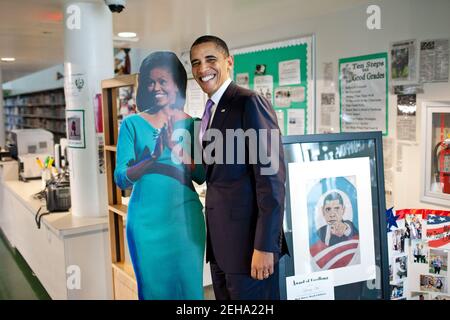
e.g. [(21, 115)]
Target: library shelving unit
[(42, 109), (117, 101)]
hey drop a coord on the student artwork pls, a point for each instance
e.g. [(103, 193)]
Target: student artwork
[(336, 234), (333, 218)]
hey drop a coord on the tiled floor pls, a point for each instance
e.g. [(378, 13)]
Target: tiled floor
[(17, 281)]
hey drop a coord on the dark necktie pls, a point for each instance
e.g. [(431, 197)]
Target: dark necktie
[(205, 119)]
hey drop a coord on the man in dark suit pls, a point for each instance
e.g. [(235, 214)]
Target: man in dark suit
[(245, 192)]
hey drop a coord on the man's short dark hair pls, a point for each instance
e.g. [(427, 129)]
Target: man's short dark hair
[(333, 196), (216, 40)]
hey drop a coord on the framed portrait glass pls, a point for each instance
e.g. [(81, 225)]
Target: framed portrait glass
[(334, 219)]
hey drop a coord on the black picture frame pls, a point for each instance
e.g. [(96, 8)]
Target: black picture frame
[(343, 146)]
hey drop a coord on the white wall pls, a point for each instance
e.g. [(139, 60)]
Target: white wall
[(339, 35), (344, 34), (38, 81)]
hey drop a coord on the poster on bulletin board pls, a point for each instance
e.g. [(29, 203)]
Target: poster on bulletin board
[(363, 89), (283, 73)]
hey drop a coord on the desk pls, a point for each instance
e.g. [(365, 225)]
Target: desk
[(69, 255)]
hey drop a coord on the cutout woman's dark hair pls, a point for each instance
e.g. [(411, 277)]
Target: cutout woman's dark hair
[(166, 60)]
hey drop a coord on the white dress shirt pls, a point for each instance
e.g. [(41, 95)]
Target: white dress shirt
[(216, 98)]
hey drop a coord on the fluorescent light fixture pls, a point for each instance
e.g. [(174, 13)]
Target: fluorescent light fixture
[(8, 59), (126, 34)]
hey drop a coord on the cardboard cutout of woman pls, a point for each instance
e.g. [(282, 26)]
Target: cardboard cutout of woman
[(165, 223)]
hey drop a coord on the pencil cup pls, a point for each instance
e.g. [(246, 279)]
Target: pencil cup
[(46, 175)]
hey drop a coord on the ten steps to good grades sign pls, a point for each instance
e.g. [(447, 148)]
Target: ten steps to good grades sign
[(363, 90), (281, 72)]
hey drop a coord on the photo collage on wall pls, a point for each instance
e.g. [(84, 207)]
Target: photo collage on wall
[(419, 256)]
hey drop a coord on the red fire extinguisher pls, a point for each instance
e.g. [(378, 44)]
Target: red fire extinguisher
[(442, 164)]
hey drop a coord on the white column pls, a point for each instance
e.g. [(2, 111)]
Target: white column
[(88, 59), (2, 114)]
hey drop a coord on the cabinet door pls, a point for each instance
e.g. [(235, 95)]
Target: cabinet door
[(41, 248), (6, 210)]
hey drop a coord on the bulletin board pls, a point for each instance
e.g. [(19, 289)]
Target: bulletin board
[(283, 73)]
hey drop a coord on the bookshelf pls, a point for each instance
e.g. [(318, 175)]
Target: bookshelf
[(42, 109), (118, 102)]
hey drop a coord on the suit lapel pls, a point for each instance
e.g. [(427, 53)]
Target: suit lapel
[(223, 107), (222, 111)]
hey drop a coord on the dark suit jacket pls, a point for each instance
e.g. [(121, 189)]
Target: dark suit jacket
[(244, 209)]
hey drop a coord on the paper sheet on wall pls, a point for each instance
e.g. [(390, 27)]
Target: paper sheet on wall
[(76, 88), (363, 84), (406, 117), (389, 187), (289, 72), (327, 108), (296, 122), (388, 153), (399, 157), (242, 79), (414, 88), (434, 60), (280, 118), (328, 75), (284, 96), (403, 61), (264, 86), (196, 99), (316, 286)]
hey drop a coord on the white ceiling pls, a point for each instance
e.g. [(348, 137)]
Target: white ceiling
[(32, 30)]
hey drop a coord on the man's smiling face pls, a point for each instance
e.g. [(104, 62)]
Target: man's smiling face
[(210, 66)]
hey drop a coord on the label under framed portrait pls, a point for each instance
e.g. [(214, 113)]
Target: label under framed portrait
[(335, 221)]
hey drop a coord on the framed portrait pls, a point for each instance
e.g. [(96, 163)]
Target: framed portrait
[(334, 219), (435, 187), (76, 129)]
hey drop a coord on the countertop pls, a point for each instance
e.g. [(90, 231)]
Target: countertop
[(61, 223)]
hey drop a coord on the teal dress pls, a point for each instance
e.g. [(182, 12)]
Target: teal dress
[(165, 223)]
